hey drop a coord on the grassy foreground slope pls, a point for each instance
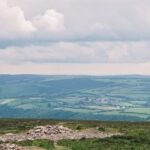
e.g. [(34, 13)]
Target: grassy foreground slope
[(119, 98), (136, 136)]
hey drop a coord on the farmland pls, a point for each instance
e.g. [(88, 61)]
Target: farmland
[(110, 98)]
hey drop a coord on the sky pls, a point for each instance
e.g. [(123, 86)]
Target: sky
[(87, 37)]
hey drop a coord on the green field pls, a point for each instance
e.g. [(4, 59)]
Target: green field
[(118, 98)]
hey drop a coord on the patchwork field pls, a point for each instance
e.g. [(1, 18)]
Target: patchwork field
[(75, 97)]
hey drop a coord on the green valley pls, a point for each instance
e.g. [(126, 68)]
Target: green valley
[(118, 98)]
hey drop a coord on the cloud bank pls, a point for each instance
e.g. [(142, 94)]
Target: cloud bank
[(90, 19), (107, 35), (83, 19), (85, 52)]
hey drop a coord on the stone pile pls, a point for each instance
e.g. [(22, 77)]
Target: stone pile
[(41, 131), (54, 133), (11, 147)]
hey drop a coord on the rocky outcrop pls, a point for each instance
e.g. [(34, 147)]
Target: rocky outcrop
[(55, 133)]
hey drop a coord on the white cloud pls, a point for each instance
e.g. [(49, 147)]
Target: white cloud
[(84, 52), (51, 21), (94, 19), (13, 23), (78, 58), (59, 52), (119, 53)]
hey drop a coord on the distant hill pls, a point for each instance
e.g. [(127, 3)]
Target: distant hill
[(75, 97)]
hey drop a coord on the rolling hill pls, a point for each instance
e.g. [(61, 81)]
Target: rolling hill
[(123, 98)]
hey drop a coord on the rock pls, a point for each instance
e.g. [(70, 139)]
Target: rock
[(11, 147)]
